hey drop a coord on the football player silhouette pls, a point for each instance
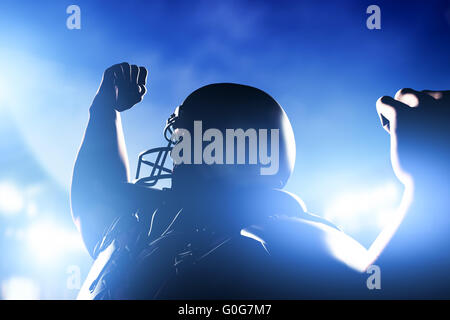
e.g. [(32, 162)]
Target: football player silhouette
[(222, 230)]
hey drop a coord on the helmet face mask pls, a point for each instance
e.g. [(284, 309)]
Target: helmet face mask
[(221, 106), (158, 169)]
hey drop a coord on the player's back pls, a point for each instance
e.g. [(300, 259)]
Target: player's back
[(286, 259), (244, 245)]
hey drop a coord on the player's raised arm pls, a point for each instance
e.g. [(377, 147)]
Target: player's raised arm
[(419, 126), (101, 172)]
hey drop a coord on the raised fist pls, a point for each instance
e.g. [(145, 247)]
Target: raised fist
[(419, 125), (123, 85)]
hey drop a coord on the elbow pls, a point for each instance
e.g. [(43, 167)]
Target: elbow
[(89, 212), (94, 207)]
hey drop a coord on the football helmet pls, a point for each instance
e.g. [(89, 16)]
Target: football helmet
[(222, 106)]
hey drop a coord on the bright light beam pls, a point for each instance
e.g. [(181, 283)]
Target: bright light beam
[(11, 200), (19, 288), (49, 242), (358, 209)]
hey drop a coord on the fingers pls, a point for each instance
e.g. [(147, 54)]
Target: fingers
[(129, 73), (134, 73), (139, 76), (142, 89), (441, 95), (142, 79), (114, 72), (108, 75), (129, 80), (392, 110), (412, 97), (388, 110), (126, 71)]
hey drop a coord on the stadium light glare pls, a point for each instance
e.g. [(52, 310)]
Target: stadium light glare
[(11, 199), (48, 241), (354, 210), (19, 288)]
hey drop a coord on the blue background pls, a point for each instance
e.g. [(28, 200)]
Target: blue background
[(316, 58)]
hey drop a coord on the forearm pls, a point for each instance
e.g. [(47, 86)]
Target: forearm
[(100, 172), (420, 224), (392, 227), (102, 154), (426, 223)]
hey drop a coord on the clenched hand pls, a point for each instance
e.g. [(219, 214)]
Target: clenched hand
[(419, 125), (123, 86)]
